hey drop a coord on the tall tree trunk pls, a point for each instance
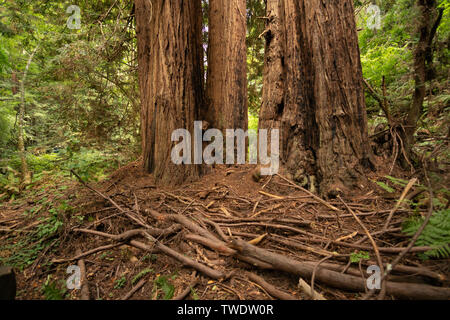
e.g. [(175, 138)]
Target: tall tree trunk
[(430, 18), (226, 88), (26, 175), (171, 81), (313, 92)]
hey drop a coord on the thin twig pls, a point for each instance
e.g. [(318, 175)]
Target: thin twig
[(375, 247)]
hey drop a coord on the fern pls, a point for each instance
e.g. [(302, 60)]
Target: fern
[(436, 234)]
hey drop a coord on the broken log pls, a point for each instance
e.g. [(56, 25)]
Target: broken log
[(336, 279)]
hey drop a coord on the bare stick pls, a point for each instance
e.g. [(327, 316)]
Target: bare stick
[(391, 250), (417, 234), (83, 278), (267, 225), (222, 248), (188, 223), (312, 292), (272, 290), (309, 193), (134, 289), (132, 233), (135, 219), (399, 202), (309, 291), (374, 244), (87, 253), (187, 261)]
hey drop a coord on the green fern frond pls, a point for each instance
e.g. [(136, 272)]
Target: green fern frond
[(436, 234)]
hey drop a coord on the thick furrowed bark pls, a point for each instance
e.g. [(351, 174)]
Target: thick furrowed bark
[(338, 91), (171, 81), (313, 92)]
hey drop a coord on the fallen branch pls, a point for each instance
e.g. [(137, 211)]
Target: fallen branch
[(159, 246), (126, 236), (82, 255), (272, 290), (183, 221), (84, 283), (135, 219), (134, 289), (335, 279), (264, 220), (313, 277), (418, 232), (300, 246), (391, 250), (305, 287), (222, 248), (375, 247), (399, 202), (309, 193), (266, 225), (134, 233)]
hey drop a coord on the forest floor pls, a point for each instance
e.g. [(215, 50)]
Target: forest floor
[(182, 244)]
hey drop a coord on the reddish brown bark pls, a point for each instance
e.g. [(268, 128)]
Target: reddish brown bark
[(171, 81), (313, 92)]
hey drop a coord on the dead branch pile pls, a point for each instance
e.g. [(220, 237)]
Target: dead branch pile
[(298, 234)]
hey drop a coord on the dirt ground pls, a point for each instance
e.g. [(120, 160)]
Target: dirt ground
[(272, 212)]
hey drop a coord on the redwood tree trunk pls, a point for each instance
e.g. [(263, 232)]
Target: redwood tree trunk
[(226, 88), (313, 92), (171, 81)]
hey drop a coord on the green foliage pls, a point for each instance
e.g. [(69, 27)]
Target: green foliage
[(167, 288), (385, 187), (140, 275), (3, 59), (24, 252), (357, 256), (389, 52), (52, 290), (49, 227), (252, 121), (49, 168), (398, 181), (255, 53), (93, 164), (81, 84), (7, 118), (436, 234), (120, 283), (194, 294), (9, 181)]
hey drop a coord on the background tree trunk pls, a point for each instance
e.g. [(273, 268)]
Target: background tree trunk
[(226, 88), (430, 19), (171, 81), (26, 175), (313, 92)]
